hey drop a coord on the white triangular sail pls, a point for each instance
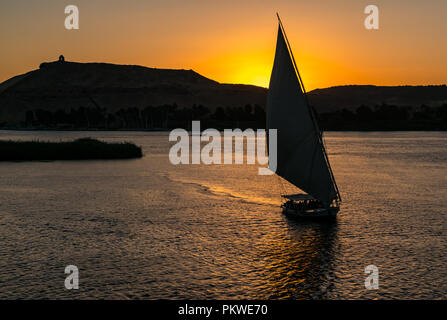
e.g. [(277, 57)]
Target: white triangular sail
[(301, 157)]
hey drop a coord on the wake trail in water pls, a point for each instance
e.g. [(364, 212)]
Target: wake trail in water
[(226, 192)]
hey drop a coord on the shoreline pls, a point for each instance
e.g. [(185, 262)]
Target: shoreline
[(219, 129)]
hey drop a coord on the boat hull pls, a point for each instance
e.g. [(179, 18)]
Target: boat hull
[(314, 214)]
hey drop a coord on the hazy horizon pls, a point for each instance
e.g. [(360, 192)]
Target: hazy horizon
[(234, 42)]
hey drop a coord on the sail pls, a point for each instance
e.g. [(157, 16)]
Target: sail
[(301, 158)]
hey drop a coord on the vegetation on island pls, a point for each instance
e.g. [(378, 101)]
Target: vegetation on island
[(80, 149)]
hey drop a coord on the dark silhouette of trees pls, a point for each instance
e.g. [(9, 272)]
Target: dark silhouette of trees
[(29, 118), (441, 112), (219, 114), (170, 116), (386, 117), (364, 113), (44, 117)]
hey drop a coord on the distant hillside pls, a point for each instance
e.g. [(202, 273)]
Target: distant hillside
[(99, 95), (66, 85), (351, 97)]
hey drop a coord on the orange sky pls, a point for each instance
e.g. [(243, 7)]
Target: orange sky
[(234, 41)]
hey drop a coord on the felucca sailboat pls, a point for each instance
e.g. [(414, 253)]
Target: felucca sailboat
[(301, 154)]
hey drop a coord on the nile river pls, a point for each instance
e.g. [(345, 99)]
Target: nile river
[(146, 229)]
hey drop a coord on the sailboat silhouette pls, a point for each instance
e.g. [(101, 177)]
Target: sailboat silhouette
[(301, 154)]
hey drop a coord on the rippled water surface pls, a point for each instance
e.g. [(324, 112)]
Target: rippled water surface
[(145, 229)]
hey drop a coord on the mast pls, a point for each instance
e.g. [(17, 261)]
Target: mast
[(311, 112)]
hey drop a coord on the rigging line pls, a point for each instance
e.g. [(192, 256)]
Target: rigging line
[(331, 173), (284, 189), (317, 129), (330, 169), (312, 165), (281, 186)]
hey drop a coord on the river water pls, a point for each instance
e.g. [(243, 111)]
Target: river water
[(146, 229)]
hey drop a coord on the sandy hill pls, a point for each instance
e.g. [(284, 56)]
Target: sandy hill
[(65, 85)]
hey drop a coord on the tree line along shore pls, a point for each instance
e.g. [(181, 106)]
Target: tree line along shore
[(166, 117)]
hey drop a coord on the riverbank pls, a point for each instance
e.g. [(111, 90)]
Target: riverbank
[(335, 128)]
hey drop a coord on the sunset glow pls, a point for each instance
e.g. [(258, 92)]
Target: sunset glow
[(233, 42)]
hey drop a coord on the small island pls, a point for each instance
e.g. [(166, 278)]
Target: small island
[(80, 149)]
